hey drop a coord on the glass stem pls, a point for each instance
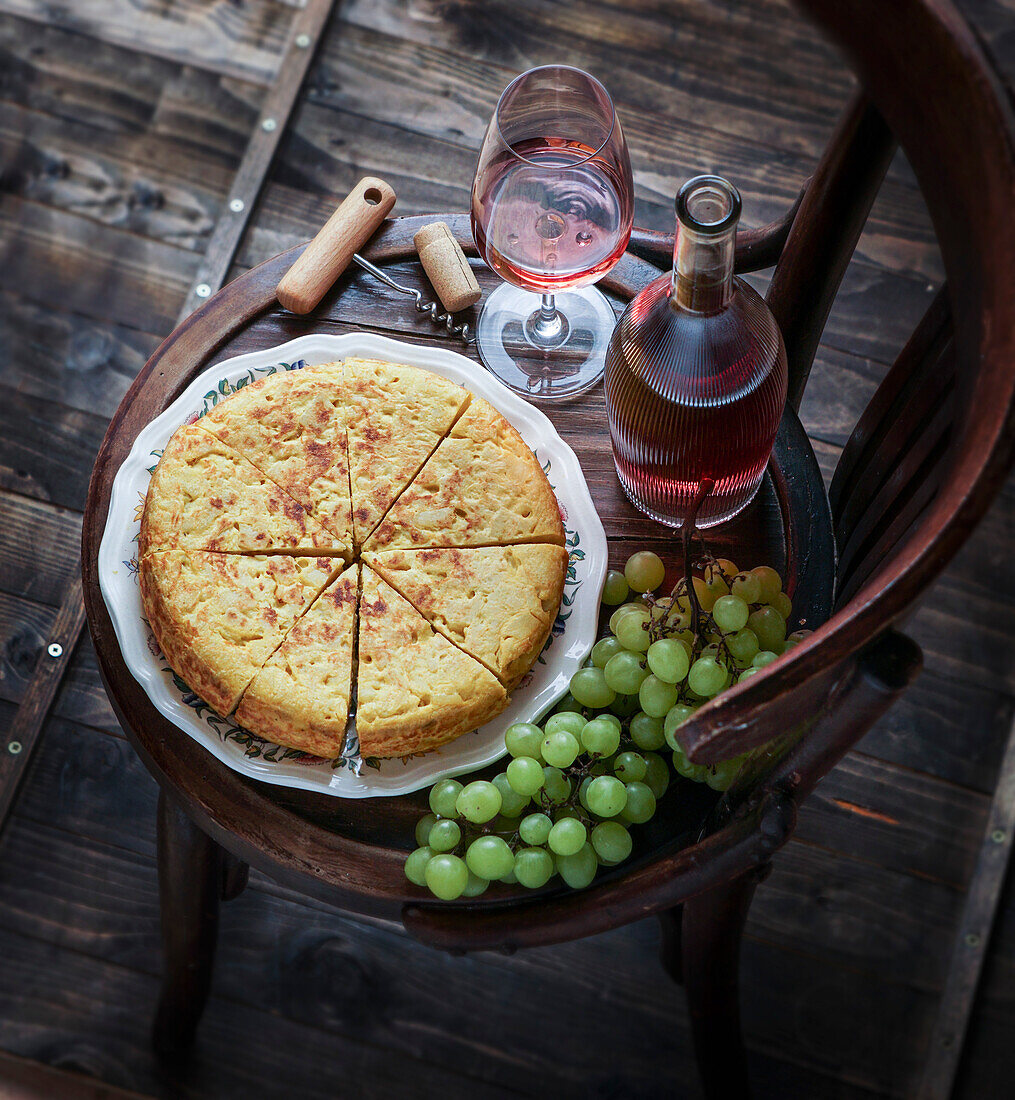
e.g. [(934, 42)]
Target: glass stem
[(547, 326)]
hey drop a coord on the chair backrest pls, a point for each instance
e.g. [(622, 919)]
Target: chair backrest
[(936, 441)]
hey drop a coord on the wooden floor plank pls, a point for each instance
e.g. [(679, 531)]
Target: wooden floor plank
[(241, 40)]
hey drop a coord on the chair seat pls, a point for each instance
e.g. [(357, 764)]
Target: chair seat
[(351, 851)]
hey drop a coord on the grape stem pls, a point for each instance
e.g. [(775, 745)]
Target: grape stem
[(688, 530)]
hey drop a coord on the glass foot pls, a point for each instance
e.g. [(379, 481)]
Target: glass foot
[(541, 359)]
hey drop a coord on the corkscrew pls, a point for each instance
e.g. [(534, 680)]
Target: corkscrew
[(350, 227), (462, 331)]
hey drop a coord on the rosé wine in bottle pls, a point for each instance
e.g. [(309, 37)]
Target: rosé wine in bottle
[(696, 372)]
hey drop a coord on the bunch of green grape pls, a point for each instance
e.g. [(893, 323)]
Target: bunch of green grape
[(566, 801)]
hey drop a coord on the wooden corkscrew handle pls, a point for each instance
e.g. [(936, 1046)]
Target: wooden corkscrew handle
[(330, 252)]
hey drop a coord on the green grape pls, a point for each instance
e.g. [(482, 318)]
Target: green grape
[(641, 803), (728, 568), (535, 828), (444, 836), (502, 825), (567, 836), (769, 626), (656, 696), (556, 784), (447, 876), (533, 867), (625, 705), (423, 829), (604, 649), (657, 775), (583, 791), (631, 631), (743, 645), (475, 886), (676, 716), (748, 673), (730, 614), (587, 663), (560, 749), (523, 739), (589, 687), (706, 677), (746, 587), (799, 635), (444, 797), (600, 736), (611, 841), (764, 659), (630, 766), (614, 721), (770, 581), (511, 802), (667, 658), (647, 732), (783, 604), (622, 612), (490, 857), (479, 802), (720, 776), (564, 721), (674, 618), (565, 705), (415, 865), (578, 870), (606, 795), (710, 589), (509, 878), (625, 672), (644, 571), (525, 774), (615, 588)]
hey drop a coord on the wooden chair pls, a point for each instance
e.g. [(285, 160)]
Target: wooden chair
[(920, 469)]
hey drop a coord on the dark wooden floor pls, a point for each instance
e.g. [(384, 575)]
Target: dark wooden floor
[(121, 126)]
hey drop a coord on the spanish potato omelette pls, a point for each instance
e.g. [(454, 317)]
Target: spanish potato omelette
[(254, 524)]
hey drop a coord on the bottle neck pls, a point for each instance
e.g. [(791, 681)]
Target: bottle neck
[(703, 270), (708, 209)]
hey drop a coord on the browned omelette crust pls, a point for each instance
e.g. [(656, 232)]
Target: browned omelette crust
[(497, 603), (204, 495), (291, 426), (300, 698), (481, 487), (396, 416), (415, 690), (218, 617)]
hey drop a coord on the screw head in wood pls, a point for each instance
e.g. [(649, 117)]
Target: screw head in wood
[(972, 940), (303, 40), (268, 125), (14, 747), (236, 205), (999, 836), (54, 649), (202, 290)]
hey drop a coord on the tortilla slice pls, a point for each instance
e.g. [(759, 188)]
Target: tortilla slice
[(396, 417), (204, 495), (415, 690), (498, 603), (291, 426), (301, 696), (481, 487), (219, 617)]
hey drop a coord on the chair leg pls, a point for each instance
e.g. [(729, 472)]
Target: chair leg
[(194, 873), (712, 926)]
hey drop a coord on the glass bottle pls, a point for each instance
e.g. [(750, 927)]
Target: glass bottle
[(696, 372)]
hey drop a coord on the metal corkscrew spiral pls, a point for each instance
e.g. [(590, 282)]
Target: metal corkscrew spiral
[(462, 331)]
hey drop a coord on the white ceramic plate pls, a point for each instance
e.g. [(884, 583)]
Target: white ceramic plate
[(350, 776)]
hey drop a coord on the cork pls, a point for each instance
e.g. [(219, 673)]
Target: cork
[(446, 267), (331, 251)]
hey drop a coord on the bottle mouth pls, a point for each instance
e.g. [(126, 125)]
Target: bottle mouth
[(709, 205)]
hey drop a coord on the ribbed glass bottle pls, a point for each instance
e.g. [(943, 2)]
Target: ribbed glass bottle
[(696, 372)]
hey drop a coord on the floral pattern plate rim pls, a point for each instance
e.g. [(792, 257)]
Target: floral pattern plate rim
[(350, 776)]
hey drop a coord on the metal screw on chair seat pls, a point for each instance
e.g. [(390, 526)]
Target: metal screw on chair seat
[(14, 747), (54, 649)]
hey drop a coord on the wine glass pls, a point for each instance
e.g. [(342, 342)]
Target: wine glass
[(552, 206)]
